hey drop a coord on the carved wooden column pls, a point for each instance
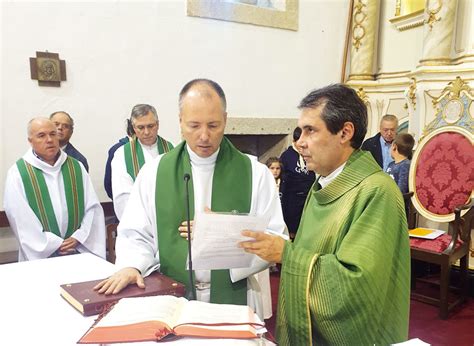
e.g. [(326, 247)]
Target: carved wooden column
[(439, 29), (365, 23)]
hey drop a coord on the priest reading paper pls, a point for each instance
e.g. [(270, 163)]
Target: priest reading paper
[(345, 280), (50, 202), (151, 233)]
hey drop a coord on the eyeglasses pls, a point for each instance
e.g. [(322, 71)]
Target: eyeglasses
[(141, 128), (64, 126)]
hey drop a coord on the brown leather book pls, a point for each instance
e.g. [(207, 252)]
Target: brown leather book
[(82, 296)]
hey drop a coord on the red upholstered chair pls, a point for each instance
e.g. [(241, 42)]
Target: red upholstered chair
[(442, 182)]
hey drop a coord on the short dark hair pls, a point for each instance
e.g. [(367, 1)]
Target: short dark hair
[(213, 85), (341, 104), (405, 143), (296, 134)]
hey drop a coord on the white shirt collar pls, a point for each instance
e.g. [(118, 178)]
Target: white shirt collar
[(201, 161), (324, 181), (149, 147), (39, 163)]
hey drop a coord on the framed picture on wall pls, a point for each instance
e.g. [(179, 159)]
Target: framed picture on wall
[(282, 14)]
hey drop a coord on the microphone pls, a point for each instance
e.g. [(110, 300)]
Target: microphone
[(190, 294)]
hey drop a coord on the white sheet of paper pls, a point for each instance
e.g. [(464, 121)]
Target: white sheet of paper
[(216, 237)]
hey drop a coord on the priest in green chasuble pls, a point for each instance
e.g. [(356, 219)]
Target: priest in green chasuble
[(152, 230), (345, 280)]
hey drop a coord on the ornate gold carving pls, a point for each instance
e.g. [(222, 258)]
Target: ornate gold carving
[(455, 87), (398, 8), (358, 31), (412, 92), (363, 95), (432, 11), (452, 106)]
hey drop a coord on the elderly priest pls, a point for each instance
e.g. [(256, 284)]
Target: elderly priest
[(345, 280), (50, 202)]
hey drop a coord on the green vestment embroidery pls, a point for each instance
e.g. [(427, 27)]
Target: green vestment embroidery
[(133, 151), (39, 199)]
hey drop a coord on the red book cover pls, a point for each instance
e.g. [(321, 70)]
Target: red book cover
[(82, 296)]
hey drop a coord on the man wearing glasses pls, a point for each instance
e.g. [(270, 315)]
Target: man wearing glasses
[(65, 126), (144, 146)]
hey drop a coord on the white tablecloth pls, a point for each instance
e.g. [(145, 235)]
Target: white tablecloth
[(32, 311)]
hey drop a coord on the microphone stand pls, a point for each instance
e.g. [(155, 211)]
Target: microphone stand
[(190, 295)]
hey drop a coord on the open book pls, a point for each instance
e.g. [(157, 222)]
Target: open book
[(153, 318)]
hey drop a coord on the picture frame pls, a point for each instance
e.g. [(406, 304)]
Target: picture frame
[(282, 14)]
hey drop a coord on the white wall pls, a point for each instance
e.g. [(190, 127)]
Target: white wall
[(122, 53)]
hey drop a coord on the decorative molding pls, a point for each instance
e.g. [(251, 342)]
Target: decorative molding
[(391, 75), (408, 21), (454, 88), (432, 12), (412, 93), (452, 106), (358, 31), (362, 76), (363, 95)]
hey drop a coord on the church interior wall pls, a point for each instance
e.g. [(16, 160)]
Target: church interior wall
[(121, 53)]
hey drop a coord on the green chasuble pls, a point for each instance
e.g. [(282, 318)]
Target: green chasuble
[(231, 190), (133, 152), (346, 278), (38, 197)]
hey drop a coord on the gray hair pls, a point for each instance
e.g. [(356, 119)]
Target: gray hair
[(28, 127), (141, 110), (67, 114), (389, 117)]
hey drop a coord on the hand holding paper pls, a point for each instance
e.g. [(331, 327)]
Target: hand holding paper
[(266, 246)]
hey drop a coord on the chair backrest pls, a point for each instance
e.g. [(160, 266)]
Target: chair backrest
[(442, 173), (442, 168)]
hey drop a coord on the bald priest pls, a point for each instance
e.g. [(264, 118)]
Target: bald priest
[(50, 202)]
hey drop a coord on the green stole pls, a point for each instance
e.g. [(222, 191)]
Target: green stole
[(134, 159), (231, 190), (39, 199)]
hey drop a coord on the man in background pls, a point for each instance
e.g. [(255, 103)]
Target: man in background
[(345, 280), (65, 126), (129, 158), (296, 182), (50, 202), (380, 144)]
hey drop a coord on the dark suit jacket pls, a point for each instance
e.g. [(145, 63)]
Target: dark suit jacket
[(372, 144), (108, 166), (73, 152)]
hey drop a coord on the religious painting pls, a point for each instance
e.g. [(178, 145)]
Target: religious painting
[(282, 14)]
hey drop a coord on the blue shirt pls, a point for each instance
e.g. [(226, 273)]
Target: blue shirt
[(400, 172), (387, 158)]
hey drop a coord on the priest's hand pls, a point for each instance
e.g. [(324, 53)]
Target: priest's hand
[(120, 280), (68, 246), (268, 247), (183, 229)]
